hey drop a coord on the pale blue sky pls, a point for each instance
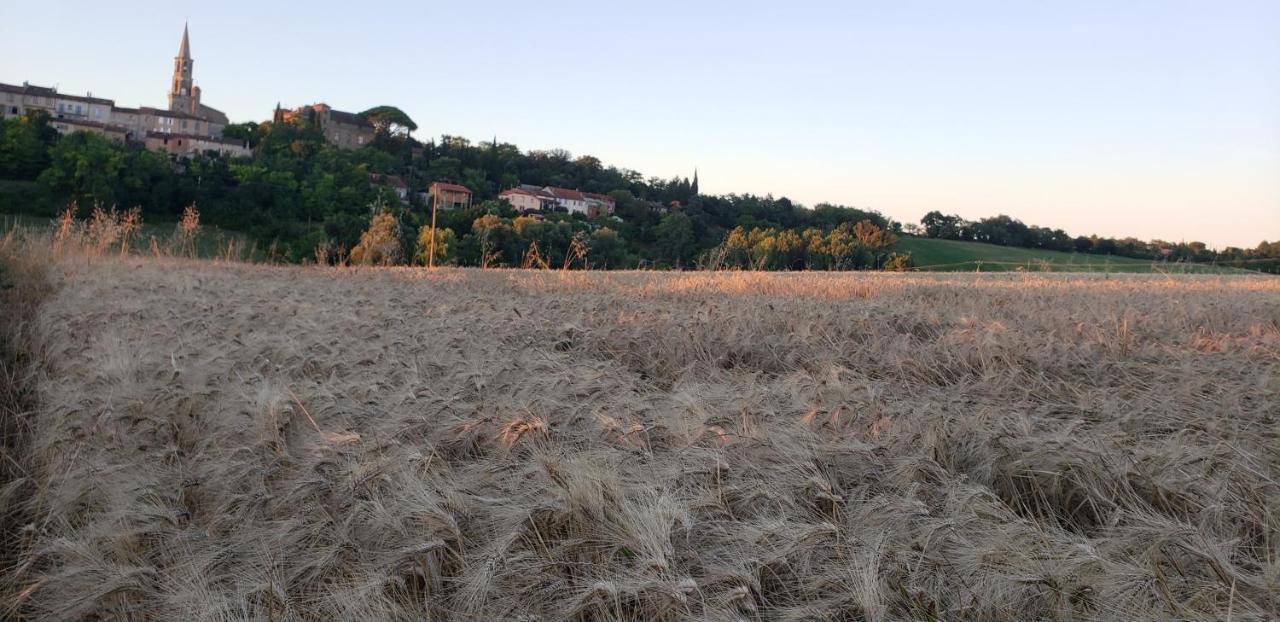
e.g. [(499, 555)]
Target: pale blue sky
[(1154, 119)]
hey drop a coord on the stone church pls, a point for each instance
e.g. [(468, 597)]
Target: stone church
[(184, 95)]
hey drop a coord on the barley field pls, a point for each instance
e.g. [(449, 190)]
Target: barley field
[(221, 441)]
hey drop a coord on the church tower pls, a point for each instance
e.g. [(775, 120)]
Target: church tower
[(183, 96)]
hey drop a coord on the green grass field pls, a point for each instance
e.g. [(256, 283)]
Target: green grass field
[(956, 256)]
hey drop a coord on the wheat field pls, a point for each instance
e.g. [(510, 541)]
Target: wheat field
[(221, 441)]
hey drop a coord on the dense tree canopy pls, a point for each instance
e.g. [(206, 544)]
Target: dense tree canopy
[(308, 199), (1006, 231), (389, 120)]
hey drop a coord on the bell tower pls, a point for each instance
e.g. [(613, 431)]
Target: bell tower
[(183, 96)]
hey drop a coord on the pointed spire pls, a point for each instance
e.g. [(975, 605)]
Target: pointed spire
[(184, 50)]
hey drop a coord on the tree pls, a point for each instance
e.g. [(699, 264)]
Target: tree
[(873, 237), (938, 225), (389, 120), (446, 245), (675, 240), (249, 132), (85, 166), (380, 244), (24, 145), (607, 250)]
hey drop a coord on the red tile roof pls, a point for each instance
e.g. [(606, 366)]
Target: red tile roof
[(538, 191), (566, 194), (445, 186)]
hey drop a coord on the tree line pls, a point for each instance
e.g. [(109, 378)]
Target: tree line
[(309, 200), (1006, 231)]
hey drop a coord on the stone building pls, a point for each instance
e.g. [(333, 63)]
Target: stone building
[(188, 145), (344, 129), (193, 126), (184, 94), (18, 100)]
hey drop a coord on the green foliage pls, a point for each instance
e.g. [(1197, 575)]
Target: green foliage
[(676, 242), (86, 167), (389, 120), (24, 145), (249, 132), (297, 192), (857, 247), (1003, 230)]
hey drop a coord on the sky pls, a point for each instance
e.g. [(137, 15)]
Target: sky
[(1150, 119)]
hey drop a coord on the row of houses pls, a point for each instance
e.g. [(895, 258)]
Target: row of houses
[(186, 127), (529, 198), (175, 132), (524, 198)]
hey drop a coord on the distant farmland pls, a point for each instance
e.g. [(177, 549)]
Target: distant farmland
[(957, 256), (217, 441)]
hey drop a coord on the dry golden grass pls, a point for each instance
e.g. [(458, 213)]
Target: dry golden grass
[(227, 442)]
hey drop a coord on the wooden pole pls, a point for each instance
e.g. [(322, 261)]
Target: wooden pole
[(431, 258)]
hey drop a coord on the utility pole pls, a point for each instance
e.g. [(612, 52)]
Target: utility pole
[(431, 258)]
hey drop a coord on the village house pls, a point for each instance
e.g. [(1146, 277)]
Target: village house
[(445, 195), (598, 204), (394, 182), (111, 132), (19, 100), (528, 199), (184, 145), (571, 200), (175, 122)]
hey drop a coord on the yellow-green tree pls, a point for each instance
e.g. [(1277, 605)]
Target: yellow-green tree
[(446, 245), (380, 244)]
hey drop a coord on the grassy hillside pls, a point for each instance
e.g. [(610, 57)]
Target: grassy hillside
[(955, 256)]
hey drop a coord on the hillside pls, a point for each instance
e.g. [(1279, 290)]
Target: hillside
[(956, 256)]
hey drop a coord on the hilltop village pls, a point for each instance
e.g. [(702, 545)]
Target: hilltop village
[(313, 181), (189, 127), (185, 127)]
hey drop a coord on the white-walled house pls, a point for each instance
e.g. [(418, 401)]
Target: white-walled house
[(571, 200), (527, 198)]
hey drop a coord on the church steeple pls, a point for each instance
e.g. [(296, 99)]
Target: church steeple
[(182, 96), (184, 50)]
